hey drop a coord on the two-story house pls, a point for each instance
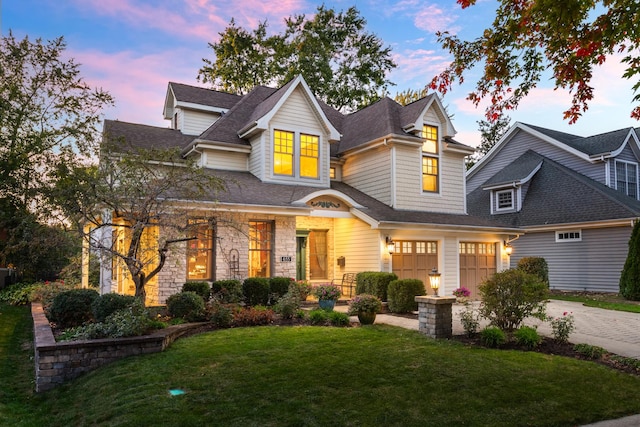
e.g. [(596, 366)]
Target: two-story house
[(575, 197), (314, 194)]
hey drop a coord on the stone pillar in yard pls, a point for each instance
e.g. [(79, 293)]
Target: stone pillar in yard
[(435, 316)]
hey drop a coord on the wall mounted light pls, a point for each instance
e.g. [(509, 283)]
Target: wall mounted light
[(508, 249), (391, 245), (434, 280)]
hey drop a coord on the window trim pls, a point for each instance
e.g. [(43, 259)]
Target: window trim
[(496, 200), (199, 223), (430, 155), (270, 250), (569, 238), (626, 180), (296, 155)]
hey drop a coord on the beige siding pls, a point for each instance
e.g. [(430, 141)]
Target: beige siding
[(370, 173), (226, 160), (358, 244), (258, 155), (409, 194), (307, 223), (195, 122)]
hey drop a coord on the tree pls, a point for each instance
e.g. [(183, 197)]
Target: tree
[(129, 206), (344, 65), (48, 115), (630, 277), (490, 134), (408, 96), (528, 37)]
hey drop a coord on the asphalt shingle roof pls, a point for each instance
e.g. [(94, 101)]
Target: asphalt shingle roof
[(203, 96), (591, 145), (129, 135), (517, 170)]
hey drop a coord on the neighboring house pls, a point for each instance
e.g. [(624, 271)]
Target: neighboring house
[(315, 194), (575, 197)]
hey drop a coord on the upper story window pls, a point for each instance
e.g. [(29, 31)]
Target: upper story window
[(504, 200), (296, 156), (430, 158), (627, 178)]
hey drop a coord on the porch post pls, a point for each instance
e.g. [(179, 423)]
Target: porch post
[(435, 316)]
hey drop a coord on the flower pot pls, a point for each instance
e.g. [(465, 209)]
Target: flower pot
[(366, 317), (327, 304)]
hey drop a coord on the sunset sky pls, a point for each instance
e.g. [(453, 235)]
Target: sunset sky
[(133, 48)]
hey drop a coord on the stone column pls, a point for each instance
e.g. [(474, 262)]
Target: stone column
[(435, 318)]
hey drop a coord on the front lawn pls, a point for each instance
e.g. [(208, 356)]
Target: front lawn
[(606, 301), (317, 376)]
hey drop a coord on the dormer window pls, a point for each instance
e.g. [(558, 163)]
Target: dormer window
[(504, 200), (430, 158), (289, 147)]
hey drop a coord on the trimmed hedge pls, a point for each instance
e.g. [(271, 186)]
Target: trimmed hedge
[(107, 304), (402, 294), (201, 288), (278, 286), (536, 266), (73, 308), (227, 291), (256, 291), (188, 305), (374, 283)]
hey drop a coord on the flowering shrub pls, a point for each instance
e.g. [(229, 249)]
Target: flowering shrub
[(301, 287), (326, 291), (563, 326), (470, 320), (462, 292), (364, 303)]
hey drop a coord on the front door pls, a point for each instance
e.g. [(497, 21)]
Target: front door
[(301, 257)]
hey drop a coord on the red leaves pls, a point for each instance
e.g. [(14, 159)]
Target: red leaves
[(466, 3)]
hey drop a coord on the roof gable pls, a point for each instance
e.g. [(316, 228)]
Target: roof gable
[(517, 172), (412, 115), (194, 97)]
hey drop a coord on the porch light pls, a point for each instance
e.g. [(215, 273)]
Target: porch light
[(391, 245), (508, 249), (434, 280)]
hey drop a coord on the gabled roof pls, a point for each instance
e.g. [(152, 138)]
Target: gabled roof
[(517, 172), (130, 135), (194, 96), (603, 143), (558, 195), (412, 114)]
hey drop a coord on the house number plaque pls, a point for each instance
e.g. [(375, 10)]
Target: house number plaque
[(285, 259)]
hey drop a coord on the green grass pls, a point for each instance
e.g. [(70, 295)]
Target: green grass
[(319, 376), (605, 302)]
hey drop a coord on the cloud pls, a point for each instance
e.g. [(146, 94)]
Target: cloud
[(432, 18)]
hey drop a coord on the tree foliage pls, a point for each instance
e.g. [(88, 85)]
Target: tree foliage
[(527, 37), (490, 134), (344, 65), (128, 207), (630, 277), (408, 96)]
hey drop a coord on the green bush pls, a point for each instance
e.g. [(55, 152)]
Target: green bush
[(492, 336), (318, 317), (511, 296), (17, 294), (278, 286), (337, 318), (528, 337), (536, 266), (470, 320), (630, 277), (227, 291), (592, 352), (288, 305), (201, 288), (45, 292), (107, 304), (187, 305), (220, 315), (73, 307), (374, 283), (402, 295), (256, 291), (127, 322), (253, 316)]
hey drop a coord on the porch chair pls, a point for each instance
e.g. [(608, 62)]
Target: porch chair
[(347, 284)]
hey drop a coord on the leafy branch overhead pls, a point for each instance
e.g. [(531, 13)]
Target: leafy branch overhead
[(344, 65), (527, 37)]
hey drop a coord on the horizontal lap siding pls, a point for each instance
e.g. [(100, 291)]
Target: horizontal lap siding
[(358, 244), (370, 173), (593, 264), (226, 160), (196, 122)]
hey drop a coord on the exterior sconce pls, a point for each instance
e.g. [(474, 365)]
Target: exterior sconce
[(508, 249), (341, 261), (434, 280), (391, 245)]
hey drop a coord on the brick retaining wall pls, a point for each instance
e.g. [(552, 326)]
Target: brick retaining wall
[(58, 362)]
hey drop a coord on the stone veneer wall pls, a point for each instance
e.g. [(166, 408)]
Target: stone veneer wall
[(58, 362)]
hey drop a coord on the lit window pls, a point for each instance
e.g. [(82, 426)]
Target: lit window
[(200, 250), (504, 200), (260, 248), (283, 153), (569, 236), (430, 158), (308, 156), (318, 254), (332, 173), (627, 178)]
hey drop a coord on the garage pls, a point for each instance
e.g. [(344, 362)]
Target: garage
[(477, 262), (414, 260)]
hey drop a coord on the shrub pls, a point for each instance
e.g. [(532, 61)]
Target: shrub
[(45, 292), (364, 302), (536, 266), (256, 291), (562, 327), (337, 318), (402, 295), (375, 283), (470, 320), (318, 317), (128, 322), (220, 315), (16, 294), (492, 336), (592, 352), (528, 337), (511, 296), (227, 291), (187, 305), (73, 307), (253, 316), (278, 286), (630, 277), (288, 305), (107, 304), (302, 288), (462, 292), (201, 288)]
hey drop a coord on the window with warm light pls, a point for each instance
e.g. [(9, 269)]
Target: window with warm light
[(430, 159), (260, 248), (309, 156), (200, 250), (317, 245), (283, 152)]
